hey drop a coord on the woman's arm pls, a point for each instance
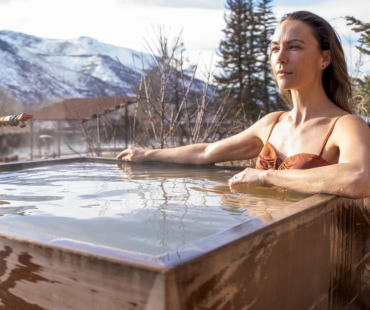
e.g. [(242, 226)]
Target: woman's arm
[(350, 177), (240, 146), (244, 145)]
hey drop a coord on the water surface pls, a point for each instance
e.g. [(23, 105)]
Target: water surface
[(150, 209)]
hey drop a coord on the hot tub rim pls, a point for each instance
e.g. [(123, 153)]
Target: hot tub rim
[(170, 259)]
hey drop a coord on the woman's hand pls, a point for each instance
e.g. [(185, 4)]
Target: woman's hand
[(248, 176), (134, 154)]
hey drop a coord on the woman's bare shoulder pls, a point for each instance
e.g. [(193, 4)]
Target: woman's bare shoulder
[(273, 115), (352, 126), (260, 128), (352, 120), (269, 118), (265, 123)]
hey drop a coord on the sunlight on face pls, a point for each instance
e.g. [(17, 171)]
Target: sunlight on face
[(296, 58)]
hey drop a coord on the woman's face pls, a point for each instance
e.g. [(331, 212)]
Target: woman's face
[(296, 58)]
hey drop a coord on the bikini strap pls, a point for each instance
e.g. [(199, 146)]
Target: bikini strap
[(273, 125), (329, 134)]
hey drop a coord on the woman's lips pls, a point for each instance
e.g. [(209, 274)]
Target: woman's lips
[(282, 73)]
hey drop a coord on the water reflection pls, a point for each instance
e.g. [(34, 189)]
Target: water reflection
[(257, 201), (148, 208)]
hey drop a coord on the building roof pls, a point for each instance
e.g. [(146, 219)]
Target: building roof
[(81, 108)]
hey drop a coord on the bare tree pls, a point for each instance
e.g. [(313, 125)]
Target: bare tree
[(173, 106), (177, 105)]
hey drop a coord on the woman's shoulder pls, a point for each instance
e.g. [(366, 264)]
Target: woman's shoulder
[(352, 120), (271, 117), (351, 126), (262, 127), (264, 121)]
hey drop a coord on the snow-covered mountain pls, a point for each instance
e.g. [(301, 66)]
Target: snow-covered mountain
[(34, 70)]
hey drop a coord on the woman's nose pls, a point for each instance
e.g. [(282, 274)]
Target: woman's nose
[(281, 56)]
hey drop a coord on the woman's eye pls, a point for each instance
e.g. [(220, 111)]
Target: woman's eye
[(274, 49)]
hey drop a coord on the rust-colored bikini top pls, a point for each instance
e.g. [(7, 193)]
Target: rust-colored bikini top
[(268, 158)]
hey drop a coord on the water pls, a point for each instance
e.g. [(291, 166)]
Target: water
[(151, 209)]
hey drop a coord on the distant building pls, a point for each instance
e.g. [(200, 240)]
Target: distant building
[(81, 123)]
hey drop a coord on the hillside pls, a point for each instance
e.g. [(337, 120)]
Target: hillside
[(37, 71)]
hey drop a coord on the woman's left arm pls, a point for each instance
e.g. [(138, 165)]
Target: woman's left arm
[(350, 177)]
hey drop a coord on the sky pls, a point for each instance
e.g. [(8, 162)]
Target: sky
[(134, 23)]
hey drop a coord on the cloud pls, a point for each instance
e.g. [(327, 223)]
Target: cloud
[(127, 23), (200, 4)]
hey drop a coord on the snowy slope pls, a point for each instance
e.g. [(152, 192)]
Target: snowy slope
[(34, 70)]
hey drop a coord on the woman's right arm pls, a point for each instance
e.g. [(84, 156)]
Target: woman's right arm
[(244, 145)]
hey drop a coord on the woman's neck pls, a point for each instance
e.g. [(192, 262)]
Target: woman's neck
[(310, 104)]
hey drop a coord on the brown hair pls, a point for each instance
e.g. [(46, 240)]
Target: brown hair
[(335, 79)]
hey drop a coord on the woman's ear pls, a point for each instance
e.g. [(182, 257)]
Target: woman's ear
[(326, 59)]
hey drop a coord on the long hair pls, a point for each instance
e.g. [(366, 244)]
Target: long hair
[(335, 78)]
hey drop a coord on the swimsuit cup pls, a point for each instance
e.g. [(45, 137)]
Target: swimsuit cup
[(268, 158)]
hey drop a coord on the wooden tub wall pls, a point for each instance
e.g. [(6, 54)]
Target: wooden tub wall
[(313, 254)]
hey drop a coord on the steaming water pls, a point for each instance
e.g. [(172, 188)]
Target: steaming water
[(148, 209)]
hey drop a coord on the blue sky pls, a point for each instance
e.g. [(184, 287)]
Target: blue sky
[(131, 23)]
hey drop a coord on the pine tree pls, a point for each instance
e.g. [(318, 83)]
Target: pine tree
[(245, 62), (267, 91), (364, 29), (235, 54)]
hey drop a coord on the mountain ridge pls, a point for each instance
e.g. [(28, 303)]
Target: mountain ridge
[(38, 71)]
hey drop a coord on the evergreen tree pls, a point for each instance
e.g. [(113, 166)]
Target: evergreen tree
[(235, 53), (362, 84), (267, 90), (364, 29), (245, 62)]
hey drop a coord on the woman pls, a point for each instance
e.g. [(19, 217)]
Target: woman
[(316, 147)]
